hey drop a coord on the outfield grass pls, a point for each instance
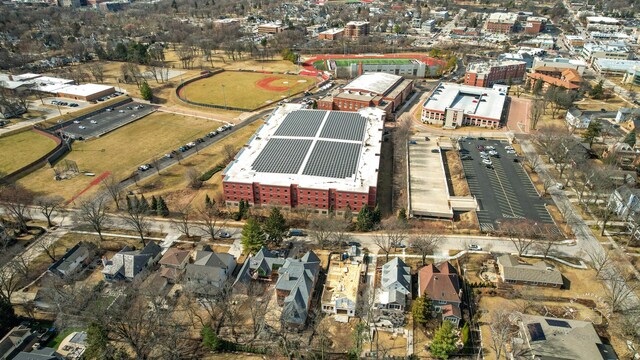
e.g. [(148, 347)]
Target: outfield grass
[(240, 89), (320, 65), (347, 62), (122, 151), (21, 149)]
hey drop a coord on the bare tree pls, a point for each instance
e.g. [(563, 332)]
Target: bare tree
[(210, 220), (11, 276), (619, 288), (15, 201), (114, 188), (93, 212), (600, 259), (533, 160), (156, 164), (138, 220), (391, 236), (193, 177), (535, 113), (97, 71), (501, 330), (425, 243), (520, 233), (183, 221), (47, 205), (550, 238), (229, 152), (321, 231)]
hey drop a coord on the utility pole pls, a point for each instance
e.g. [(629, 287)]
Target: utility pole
[(224, 97)]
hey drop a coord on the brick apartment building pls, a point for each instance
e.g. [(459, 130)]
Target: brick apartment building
[(270, 28), (331, 34), (534, 24), (356, 29), (494, 72), (315, 159), (503, 23), (381, 90)]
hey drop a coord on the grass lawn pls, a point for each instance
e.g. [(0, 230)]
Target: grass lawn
[(55, 342), (320, 65), (121, 151), (172, 183), (347, 62), (21, 149), (241, 89)]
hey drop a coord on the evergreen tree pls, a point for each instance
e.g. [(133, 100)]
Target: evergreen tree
[(163, 209), (174, 5), (630, 138), (376, 215), (276, 227), (210, 339), (348, 214), (143, 204), (364, 221), (154, 205), (128, 203), (241, 210), (444, 341), (464, 334), (402, 215), (8, 317), (97, 342), (252, 236), (537, 87), (146, 92), (208, 203), (421, 310), (597, 92), (593, 131)]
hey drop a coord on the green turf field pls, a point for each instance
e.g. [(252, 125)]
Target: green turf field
[(347, 62), (242, 89)]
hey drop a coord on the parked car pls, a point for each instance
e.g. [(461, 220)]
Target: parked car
[(225, 235), (487, 162), (296, 232), (76, 121), (168, 156), (482, 138), (145, 167), (474, 247), (93, 122), (82, 127), (512, 152)]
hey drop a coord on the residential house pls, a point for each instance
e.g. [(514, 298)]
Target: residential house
[(441, 284), (553, 338), (625, 201), (262, 266), (294, 288), (513, 271), (623, 177), (623, 154), (16, 340), (577, 120), (625, 114), (568, 79), (210, 270), (45, 353), (395, 286), (73, 260), (340, 293), (173, 263), (128, 263)]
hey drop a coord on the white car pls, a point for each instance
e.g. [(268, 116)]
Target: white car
[(493, 153), (482, 153), (508, 147), (512, 152), (81, 127), (474, 247), (490, 147), (487, 162), (93, 122), (76, 121), (120, 111)]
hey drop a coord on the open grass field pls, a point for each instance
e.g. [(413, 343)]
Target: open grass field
[(21, 149), (121, 151), (245, 90)]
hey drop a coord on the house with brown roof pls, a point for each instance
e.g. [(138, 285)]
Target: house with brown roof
[(540, 273), (569, 79), (173, 263), (441, 284)]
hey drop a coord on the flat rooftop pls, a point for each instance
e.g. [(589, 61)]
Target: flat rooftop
[(84, 89), (315, 149), (503, 18), (428, 190), (484, 67), (473, 100), (333, 31), (602, 20), (374, 82)]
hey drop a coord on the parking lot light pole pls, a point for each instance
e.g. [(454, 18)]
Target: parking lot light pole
[(224, 97)]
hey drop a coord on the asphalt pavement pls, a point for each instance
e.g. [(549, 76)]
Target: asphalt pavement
[(106, 121)]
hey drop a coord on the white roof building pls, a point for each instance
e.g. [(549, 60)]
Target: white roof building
[(377, 83)]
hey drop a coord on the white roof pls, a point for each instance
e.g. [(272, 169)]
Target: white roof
[(504, 18), (473, 100), (593, 47), (333, 31), (242, 169), (485, 67), (377, 83), (602, 20), (84, 90), (357, 23), (617, 65), (34, 81)]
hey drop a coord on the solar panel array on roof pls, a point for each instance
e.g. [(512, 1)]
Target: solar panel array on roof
[(344, 126), (536, 332), (333, 159), (302, 123), (558, 323), (282, 156)]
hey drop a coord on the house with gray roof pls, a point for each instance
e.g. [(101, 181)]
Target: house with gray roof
[(15, 341), (625, 201), (128, 263), (73, 260), (45, 353), (209, 271), (262, 266), (395, 286), (294, 288), (541, 273), (553, 338)]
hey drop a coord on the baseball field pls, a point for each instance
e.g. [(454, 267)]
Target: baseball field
[(22, 149)]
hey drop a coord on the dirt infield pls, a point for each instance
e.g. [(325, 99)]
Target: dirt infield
[(265, 84)]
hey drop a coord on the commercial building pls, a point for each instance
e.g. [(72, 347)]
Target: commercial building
[(270, 28), (85, 92), (356, 29), (603, 23), (224, 24), (316, 159), (574, 42), (381, 90), (340, 293), (35, 82), (592, 52), (495, 72), (453, 105), (331, 34), (618, 67), (503, 23), (542, 41), (553, 338), (534, 24), (562, 63), (564, 78), (632, 76)]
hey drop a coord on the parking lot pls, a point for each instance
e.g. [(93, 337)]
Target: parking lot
[(107, 120), (502, 189)]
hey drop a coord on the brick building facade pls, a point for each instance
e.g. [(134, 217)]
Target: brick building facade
[(356, 29), (496, 72)]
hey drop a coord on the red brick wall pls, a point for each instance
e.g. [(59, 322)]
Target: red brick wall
[(499, 27), (533, 27)]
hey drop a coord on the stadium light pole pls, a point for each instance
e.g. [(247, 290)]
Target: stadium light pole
[(224, 97)]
